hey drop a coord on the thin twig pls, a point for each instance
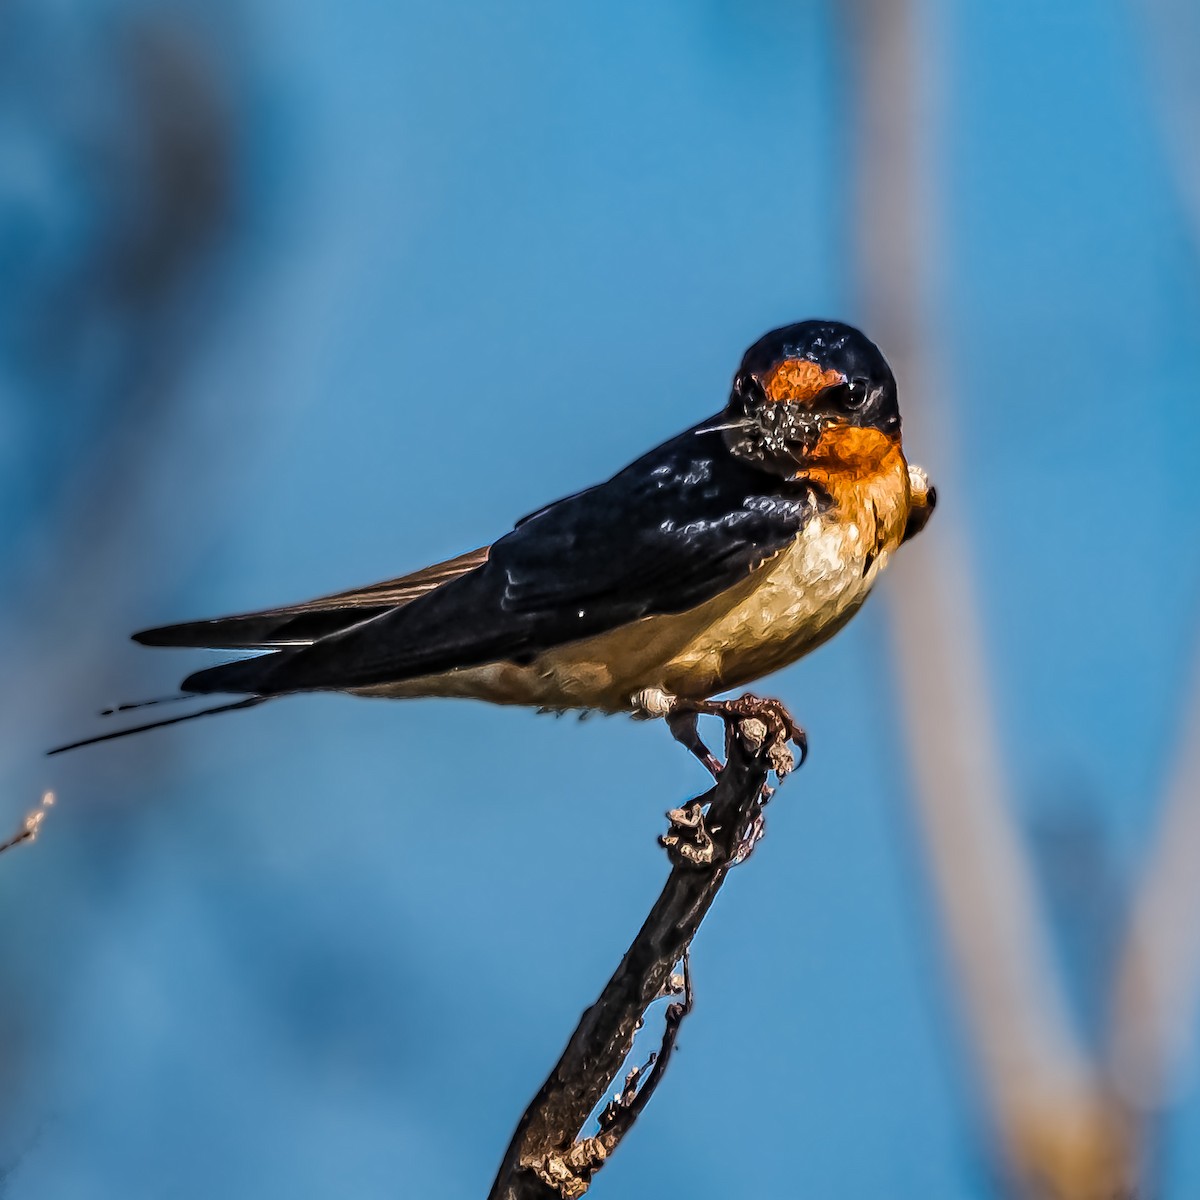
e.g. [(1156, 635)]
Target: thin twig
[(32, 824), (618, 1118), (547, 1159)]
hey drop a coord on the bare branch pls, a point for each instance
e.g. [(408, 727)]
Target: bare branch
[(547, 1159)]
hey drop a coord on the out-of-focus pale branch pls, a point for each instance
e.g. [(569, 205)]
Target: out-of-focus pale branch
[(1158, 980), (1172, 45), (1059, 1127), (1061, 1132), (1157, 989)]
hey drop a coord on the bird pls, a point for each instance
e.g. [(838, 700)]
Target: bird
[(718, 557)]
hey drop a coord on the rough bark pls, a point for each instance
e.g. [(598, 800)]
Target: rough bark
[(548, 1158)]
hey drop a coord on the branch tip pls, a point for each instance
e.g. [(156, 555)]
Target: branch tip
[(32, 824)]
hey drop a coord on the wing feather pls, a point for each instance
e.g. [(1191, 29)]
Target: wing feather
[(303, 624), (672, 530)]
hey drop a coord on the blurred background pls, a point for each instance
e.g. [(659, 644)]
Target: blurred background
[(300, 296)]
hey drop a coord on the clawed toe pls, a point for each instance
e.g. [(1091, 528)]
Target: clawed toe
[(762, 722), (781, 728)]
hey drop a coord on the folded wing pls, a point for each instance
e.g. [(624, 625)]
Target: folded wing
[(672, 530)]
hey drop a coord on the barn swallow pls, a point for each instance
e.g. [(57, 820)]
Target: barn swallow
[(722, 555)]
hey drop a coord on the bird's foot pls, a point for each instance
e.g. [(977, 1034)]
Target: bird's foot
[(761, 722), (764, 722)]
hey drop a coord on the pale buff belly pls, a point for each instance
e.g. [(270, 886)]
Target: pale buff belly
[(790, 605)]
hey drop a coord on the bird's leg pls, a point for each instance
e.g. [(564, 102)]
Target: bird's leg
[(685, 729), (682, 720)]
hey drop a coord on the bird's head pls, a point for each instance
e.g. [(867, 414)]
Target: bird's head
[(798, 383)]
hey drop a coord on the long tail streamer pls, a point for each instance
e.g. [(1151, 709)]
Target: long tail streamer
[(249, 702)]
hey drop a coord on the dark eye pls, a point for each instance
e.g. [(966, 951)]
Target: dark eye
[(856, 393)]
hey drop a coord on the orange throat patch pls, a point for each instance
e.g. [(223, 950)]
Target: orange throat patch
[(866, 476)]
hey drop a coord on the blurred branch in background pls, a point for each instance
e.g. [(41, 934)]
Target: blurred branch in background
[(119, 191), (122, 193), (1066, 1125), (548, 1158), (1157, 990), (1171, 38), (121, 172), (1036, 1074)]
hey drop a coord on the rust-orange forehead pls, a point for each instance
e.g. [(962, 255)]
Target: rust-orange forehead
[(798, 380)]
